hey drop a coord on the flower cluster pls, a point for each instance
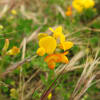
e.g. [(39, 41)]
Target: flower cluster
[(80, 5), (48, 45)]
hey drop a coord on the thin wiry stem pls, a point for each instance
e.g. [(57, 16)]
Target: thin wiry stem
[(16, 65)]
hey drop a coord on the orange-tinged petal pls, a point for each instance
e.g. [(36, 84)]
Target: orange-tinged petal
[(51, 64), (65, 53), (53, 57), (48, 43), (40, 51), (68, 13), (64, 59), (66, 45)]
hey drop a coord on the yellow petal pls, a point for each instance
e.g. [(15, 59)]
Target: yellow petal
[(48, 43), (62, 38), (66, 45), (41, 35), (57, 32), (40, 51)]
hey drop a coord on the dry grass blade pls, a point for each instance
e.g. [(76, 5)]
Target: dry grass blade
[(25, 85), (32, 90), (84, 89), (81, 79), (83, 29), (28, 15), (16, 65), (33, 36), (86, 79), (4, 10), (61, 11), (21, 77)]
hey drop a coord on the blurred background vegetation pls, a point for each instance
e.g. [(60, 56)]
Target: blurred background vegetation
[(28, 76)]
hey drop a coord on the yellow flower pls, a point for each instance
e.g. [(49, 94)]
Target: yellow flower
[(80, 5), (88, 3), (40, 51), (13, 12), (13, 51), (52, 59), (49, 96), (58, 34), (66, 45), (48, 43), (77, 6), (1, 27)]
